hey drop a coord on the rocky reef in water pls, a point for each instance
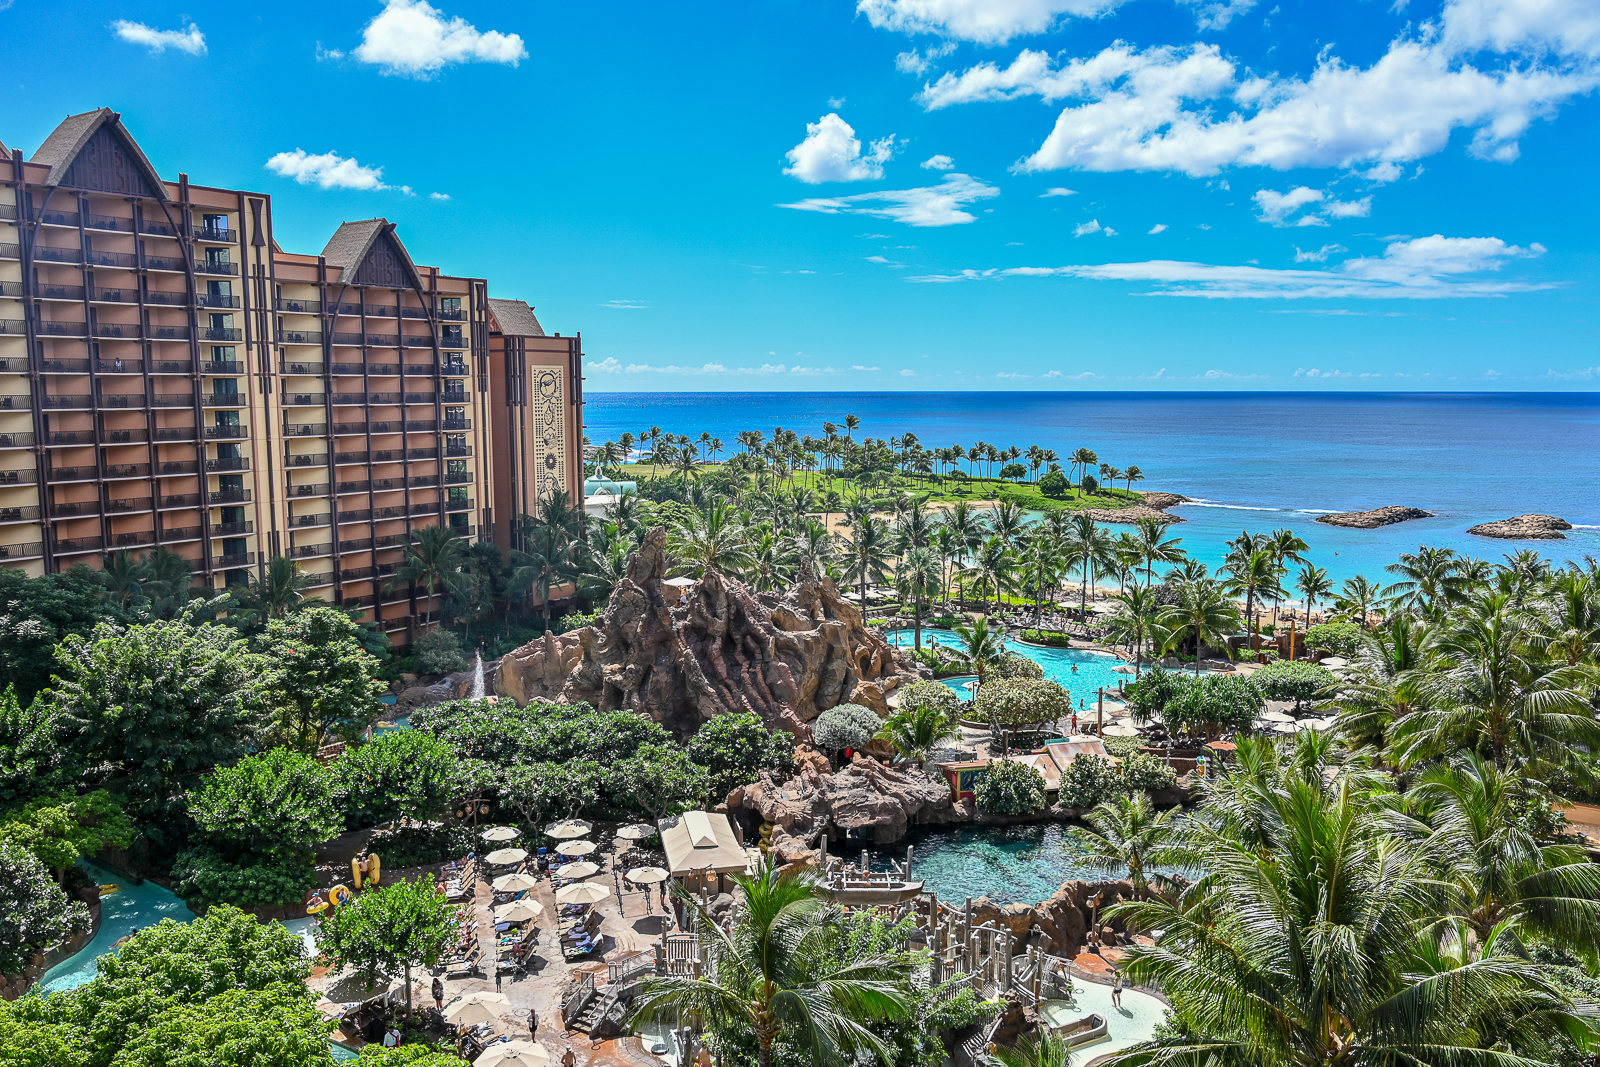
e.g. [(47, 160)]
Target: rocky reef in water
[(1524, 528), (681, 653), (1152, 505), (1371, 520)]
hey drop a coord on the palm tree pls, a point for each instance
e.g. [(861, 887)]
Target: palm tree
[(1008, 520), (1358, 599), (867, 550), (1204, 610), (550, 559), (981, 646), (123, 577), (653, 435), (1155, 546), (813, 543), (1082, 459), (1129, 836), (1138, 619), (1430, 580), (1253, 576), (991, 564), (433, 562), (968, 526), (684, 462), (1314, 584), (1133, 474), (1319, 944), (771, 973), (1383, 681), (1089, 548), (1046, 1048), (917, 731), (918, 576), (1040, 560), (712, 539), (280, 588)]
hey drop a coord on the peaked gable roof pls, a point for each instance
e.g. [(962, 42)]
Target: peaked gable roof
[(514, 318), (119, 165), (353, 242)]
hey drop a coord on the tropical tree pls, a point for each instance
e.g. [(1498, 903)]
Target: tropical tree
[(1045, 1048), (772, 976), (388, 930), (917, 730), (918, 577), (992, 564), (866, 553), (551, 558), (1204, 612), (1155, 546), (1314, 584), (980, 646), (1430, 580), (1253, 575), (1128, 838), (712, 539), (1089, 547), (1138, 619), (318, 678), (1358, 600), (432, 561)]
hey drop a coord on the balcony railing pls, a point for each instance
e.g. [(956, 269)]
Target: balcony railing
[(219, 333), (206, 266), (362, 515), (423, 425), (225, 529), (129, 330), (78, 544), (13, 327), (43, 254), (418, 341), (62, 329), (175, 433), (58, 402), (347, 338), (303, 399), (48, 292), (72, 509), (125, 260), (319, 459), (316, 489), (300, 368), (164, 297), (372, 369), (456, 424), (214, 433), (174, 467), (160, 229), (74, 437), (26, 513), (221, 366), (127, 504), (171, 366), (236, 559), (308, 520), (16, 440), (299, 337), (181, 533), (228, 496), (16, 402), (137, 539), (127, 470), (457, 477), (422, 453), (229, 463), (18, 477), (119, 366), (167, 333), (180, 500), (452, 341), (306, 551), (121, 400), (59, 218), (23, 551), (458, 505), (176, 264), (172, 400), (305, 429), (458, 450), (212, 233), (297, 306), (356, 574), (352, 457), (223, 400), (210, 300)]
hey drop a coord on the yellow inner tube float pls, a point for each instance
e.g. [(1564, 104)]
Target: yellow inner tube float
[(110, 888), (339, 895)]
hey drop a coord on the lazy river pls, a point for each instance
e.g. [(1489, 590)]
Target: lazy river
[(1008, 864), (131, 907), (1079, 671)]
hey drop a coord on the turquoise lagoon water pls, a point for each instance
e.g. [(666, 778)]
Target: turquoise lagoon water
[(1009, 864), (131, 907), (1079, 671)]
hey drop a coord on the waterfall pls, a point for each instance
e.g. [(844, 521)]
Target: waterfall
[(476, 692)]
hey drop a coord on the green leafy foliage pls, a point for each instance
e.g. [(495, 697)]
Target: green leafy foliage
[(37, 613), (845, 726), (398, 774), (1014, 703), (385, 932), (158, 706), (1298, 682), (1142, 771), (417, 846), (1016, 665), (1055, 485), (1009, 788), (659, 778), (413, 1055), (35, 756), (1214, 704), (934, 695), (1052, 638), (1087, 781), (62, 828), (504, 734), (1335, 638), (319, 680), (438, 652), (273, 1027), (35, 913), (275, 806), (734, 749), (204, 877)]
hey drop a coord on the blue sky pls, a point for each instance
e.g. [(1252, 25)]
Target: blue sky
[(915, 194)]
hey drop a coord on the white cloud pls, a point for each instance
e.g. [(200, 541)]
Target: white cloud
[(1383, 173), (998, 21), (1315, 373), (835, 102), (438, 196), (1092, 226), (885, 262), (1157, 228), (329, 170), (1349, 209), (1275, 207), (906, 372), (609, 365), (625, 305), (859, 367), (1423, 268), (416, 40), (1109, 232), (189, 39), (1214, 375), (1193, 110), (831, 153), (919, 63), (1057, 191), (1011, 374), (1319, 256), (934, 205), (938, 163)]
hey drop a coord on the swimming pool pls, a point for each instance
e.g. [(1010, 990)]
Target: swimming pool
[(131, 907), (1079, 671)]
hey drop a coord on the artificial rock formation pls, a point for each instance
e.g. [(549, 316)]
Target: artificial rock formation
[(1525, 528), (1371, 520), (683, 655)]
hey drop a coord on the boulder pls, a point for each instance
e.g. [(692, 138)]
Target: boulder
[(1524, 528), (865, 800), (683, 654), (1371, 520), (1063, 920), (1017, 1021)]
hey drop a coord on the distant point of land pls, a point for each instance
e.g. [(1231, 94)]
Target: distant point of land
[(1525, 528)]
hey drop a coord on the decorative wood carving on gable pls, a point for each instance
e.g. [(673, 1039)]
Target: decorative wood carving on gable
[(108, 164), (385, 265)]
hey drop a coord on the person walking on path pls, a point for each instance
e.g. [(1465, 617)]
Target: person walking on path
[(569, 1059), (438, 993), (533, 1023), (1116, 989)]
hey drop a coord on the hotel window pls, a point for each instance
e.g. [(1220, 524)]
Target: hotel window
[(216, 226)]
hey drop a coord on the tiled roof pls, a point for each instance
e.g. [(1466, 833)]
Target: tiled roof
[(348, 247), (514, 318), (61, 148)]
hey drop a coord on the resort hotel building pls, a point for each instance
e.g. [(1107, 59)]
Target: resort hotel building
[(170, 377)]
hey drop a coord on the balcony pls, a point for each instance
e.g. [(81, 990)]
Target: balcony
[(422, 453), (452, 341), (174, 467), (138, 539), (454, 396), (208, 266), (219, 333), (120, 400), (41, 254), (421, 398), (356, 574), (27, 513), (300, 368), (175, 264), (305, 429), (297, 306), (308, 520), (160, 229), (230, 463), (457, 477), (10, 251), (362, 515), (225, 529), (365, 600), (456, 424), (390, 540), (181, 533), (317, 489), (59, 218), (54, 292), (64, 546), (221, 366), (64, 366), (18, 477), (317, 460), (223, 400), (168, 333), (179, 500), (236, 559), (13, 327), (164, 297), (16, 440), (228, 496), (418, 341), (127, 470), (119, 366), (423, 481), (88, 472), (130, 331), (458, 505), (371, 369), (383, 340), (72, 437), (458, 450), (347, 339), (125, 260), (362, 487), (127, 505), (62, 329), (74, 509), (360, 544), (208, 300), (299, 337), (172, 400), (16, 402), (351, 457), (212, 233), (216, 433), (307, 551), (422, 425), (26, 550), (304, 399), (56, 403)]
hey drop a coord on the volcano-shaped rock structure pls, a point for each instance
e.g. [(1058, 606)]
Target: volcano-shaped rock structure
[(683, 655)]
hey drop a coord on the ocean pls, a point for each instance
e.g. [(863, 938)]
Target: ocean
[(1250, 461)]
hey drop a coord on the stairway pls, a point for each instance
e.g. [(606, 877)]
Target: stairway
[(598, 1006)]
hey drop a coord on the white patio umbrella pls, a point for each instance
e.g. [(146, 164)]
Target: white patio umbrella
[(1312, 724), (1121, 731), (501, 856), (636, 831), (569, 828), (519, 911), (582, 893), (577, 848), (513, 1054), (501, 833), (581, 869), (474, 1008), (1276, 716), (648, 875), (514, 883)]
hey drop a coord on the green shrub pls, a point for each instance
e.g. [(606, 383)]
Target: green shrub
[(845, 726), (1016, 665), (1121, 747), (1012, 702), (1087, 781), (1214, 704), (418, 846), (204, 878), (577, 620), (1335, 638), (1054, 485), (1144, 772), (438, 652), (1053, 638), (1009, 788), (1298, 682), (964, 1009), (936, 695)]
